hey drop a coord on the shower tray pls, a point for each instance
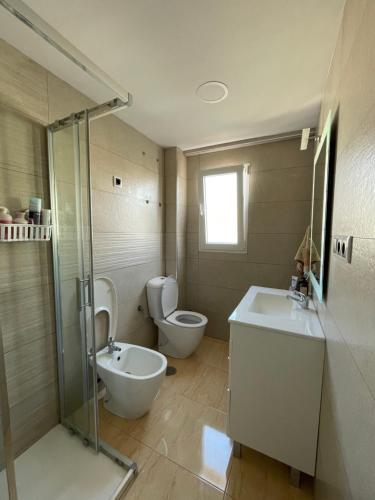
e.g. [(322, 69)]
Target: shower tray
[(58, 466)]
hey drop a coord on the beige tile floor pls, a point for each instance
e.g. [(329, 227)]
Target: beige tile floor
[(181, 447)]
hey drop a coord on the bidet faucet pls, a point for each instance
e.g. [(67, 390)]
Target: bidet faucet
[(112, 347), (301, 299)]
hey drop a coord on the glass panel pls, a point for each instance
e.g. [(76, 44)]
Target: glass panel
[(220, 198), (87, 323), (72, 261), (3, 471), (6, 457)]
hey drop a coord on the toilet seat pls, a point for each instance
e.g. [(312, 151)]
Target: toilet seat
[(187, 319)]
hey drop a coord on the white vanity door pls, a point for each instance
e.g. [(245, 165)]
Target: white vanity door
[(275, 391)]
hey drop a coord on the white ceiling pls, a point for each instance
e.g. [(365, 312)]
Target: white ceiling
[(274, 55)]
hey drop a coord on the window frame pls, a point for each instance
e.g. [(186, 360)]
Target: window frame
[(242, 172)]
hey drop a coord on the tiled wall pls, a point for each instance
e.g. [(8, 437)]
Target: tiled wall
[(128, 222), (176, 216), (346, 454), (279, 212), (128, 232)]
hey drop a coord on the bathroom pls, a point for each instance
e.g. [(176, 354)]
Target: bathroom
[(142, 356)]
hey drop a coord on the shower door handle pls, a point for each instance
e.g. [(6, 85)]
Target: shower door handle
[(81, 292), (89, 291)]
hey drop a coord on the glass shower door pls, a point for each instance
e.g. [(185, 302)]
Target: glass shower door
[(72, 248), (7, 476)]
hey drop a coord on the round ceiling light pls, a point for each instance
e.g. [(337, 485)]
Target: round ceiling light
[(212, 92)]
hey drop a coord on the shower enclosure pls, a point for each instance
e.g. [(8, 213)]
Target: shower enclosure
[(72, 240), (71, 202), (70, 187), (37, 472)]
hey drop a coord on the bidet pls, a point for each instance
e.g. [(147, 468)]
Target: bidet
[(133, 376)]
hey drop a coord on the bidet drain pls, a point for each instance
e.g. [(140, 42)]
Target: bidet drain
[(171, 370)]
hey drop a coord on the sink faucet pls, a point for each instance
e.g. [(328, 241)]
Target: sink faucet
[(112, 347), (300, 298)]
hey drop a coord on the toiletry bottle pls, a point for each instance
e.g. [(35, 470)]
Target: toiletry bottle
[(46, 217), (35, 210), (293, 283), (304, 285), (5, 217)]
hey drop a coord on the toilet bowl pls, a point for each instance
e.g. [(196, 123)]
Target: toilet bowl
[(180, 332), (132, 374)]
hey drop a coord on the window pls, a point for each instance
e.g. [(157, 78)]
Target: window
[(223, 200)]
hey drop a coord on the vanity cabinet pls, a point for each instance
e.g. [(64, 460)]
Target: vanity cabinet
[(275, 378)]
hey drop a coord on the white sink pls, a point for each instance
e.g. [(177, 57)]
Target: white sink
[(270, 308), (267, 303)]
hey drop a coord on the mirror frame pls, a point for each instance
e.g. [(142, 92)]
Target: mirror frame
[(324, 139)]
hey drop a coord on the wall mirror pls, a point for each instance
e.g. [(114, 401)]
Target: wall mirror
[(319, 211)]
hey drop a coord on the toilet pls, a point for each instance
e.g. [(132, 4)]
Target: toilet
[(132, 374), (180, 332)]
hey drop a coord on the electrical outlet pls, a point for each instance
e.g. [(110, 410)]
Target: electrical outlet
[(342, 247), (117, 181)]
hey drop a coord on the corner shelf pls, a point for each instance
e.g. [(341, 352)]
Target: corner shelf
[(24, 232)]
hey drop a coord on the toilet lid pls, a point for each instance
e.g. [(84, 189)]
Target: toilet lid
[(105, 298), (169, 296)]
